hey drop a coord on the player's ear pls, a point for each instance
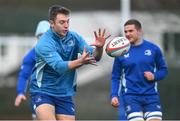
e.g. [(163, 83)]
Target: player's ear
[(141, 31), (51, 23)]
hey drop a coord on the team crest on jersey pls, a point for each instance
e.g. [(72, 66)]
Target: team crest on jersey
[(71, 43), (147, 52)]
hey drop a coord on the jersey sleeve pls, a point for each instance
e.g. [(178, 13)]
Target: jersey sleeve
[(161, 66), (25, 71), (115, 79), (46, 50)]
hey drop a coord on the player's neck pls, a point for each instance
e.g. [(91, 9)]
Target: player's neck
[(138, 42)]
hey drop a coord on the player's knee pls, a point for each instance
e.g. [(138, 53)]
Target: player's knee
[(135, 116), (63, 117), (153, 116)]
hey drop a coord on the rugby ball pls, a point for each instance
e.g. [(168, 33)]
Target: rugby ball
[(117, 46)]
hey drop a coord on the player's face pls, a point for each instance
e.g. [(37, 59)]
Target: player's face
[(132, 34), (61, 24)]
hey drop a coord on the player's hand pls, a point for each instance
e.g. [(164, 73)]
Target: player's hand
[(100, 38), (19, 99), (115, 102), (149, 75), (86, 58)]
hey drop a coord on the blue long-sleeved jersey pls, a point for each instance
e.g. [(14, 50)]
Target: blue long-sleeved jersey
[(25, 71), (129, 70), (51, 74)]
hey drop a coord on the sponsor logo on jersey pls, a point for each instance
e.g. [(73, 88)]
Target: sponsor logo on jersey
[(126, 55)]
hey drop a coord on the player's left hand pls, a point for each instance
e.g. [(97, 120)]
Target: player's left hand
[(149, 75), (19, 99), (100, 38)]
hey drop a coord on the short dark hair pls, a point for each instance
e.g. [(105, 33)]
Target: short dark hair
[(56, 9), (133, 22)]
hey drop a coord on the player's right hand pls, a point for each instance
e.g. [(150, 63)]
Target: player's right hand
[(86, 58), (149, 75), (115, 102), (19, 99)]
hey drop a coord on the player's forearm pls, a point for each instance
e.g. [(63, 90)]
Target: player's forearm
[(98, 53), (75, 64), (22, 84), (114, 87), (161, 74)]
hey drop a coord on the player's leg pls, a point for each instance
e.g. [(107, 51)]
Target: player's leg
[(62, 117), (43, 106), (153, 116), (45, 112), (154, 120), (65, 109), (34, 116), (153, 108), (133, 108)]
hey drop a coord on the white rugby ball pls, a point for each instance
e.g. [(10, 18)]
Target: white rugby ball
[(118, 46)]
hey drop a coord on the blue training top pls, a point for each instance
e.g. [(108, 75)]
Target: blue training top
[(51, 74), (130, 70), (25, 71)]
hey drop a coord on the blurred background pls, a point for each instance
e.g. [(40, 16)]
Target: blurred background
[(161, 24)]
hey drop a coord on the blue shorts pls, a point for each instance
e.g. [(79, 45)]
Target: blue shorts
[(33, 111), (121, 109), (142, 107), (63, 105)]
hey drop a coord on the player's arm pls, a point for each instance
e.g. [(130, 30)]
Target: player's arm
[(24, 74), (47, 51), (161, 68), (84, 59), (115, 82)]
